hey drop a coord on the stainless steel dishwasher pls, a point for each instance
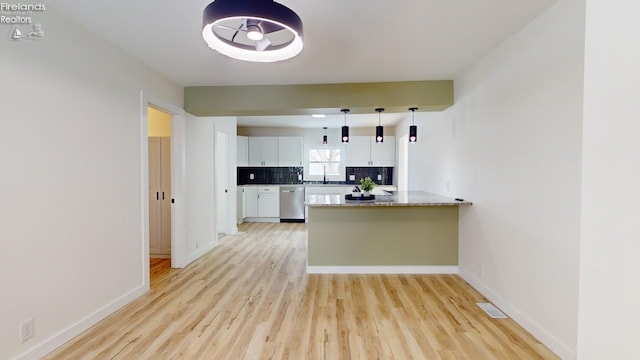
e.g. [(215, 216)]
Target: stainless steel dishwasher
[(291, 203)]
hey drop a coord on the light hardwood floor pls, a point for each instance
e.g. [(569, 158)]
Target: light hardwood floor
[(250, 299)]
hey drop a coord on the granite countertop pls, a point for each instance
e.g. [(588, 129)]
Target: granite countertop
[(318, 185), (391, 198)]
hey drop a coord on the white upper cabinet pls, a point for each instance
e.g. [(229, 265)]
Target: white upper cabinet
[(270, 151), (263, 151), (384, 153), (364, 151), (290, 151), (358, 151), (243, 151)]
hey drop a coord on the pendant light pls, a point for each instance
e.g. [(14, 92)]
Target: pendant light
[(379, 128), (345, 128), (413, 129), (252, 30), (324, 137)]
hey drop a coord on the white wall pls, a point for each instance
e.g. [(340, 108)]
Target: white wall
[(228, 125), (514, 139), (200, 185), (610, 243), (70, 174), (431, 158)]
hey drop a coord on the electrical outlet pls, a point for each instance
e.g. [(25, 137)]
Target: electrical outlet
[(352, 177), (379, 177), (251, 176), (26, 330), (299, 177)]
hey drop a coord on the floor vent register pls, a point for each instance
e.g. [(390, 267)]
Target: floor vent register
[(492, 311)]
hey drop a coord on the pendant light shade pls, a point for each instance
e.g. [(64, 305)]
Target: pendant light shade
[(252, 30), (379, 128), (345, 128), (324, 137), (413, 129)]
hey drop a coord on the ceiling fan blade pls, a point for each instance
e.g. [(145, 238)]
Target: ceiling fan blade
[(230, 28), (261, 45)]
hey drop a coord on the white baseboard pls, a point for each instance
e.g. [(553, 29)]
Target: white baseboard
[(199, 252), (545, 337), (262, 220), (57, 340), (382, 269)]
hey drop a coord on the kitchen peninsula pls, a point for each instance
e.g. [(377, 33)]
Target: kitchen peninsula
[(398, 232)]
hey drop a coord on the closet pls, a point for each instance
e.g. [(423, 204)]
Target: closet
[(159, 196)]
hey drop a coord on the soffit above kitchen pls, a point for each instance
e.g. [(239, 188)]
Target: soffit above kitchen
[(345, 41)]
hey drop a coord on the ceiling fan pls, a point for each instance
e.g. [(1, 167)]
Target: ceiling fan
[(252, 30)]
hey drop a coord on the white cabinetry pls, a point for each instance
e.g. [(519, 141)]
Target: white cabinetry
[(159, 196), (290, 151), (243, 151), (269, 201), (358, 152), (261, 202), (365, 151), (250, 201), (263, 151)]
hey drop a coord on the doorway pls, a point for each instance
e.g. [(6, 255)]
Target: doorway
[(159, 164)]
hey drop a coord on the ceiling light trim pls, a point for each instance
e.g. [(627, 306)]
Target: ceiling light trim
[(262, 10)]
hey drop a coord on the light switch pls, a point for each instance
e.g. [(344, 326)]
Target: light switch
[(251, 177), (352, 177), (379, 177)]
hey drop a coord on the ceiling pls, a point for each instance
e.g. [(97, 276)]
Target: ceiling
[(345, 41)]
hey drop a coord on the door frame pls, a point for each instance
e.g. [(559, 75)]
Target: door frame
[(178, 209)]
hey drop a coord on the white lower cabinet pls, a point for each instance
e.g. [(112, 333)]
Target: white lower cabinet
[(261, 202), (250, 201), (269, 201)]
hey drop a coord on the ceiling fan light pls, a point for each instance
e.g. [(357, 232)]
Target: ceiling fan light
[(217, 13), (254, 33)]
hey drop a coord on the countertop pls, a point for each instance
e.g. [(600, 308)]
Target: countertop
[(391, 198)]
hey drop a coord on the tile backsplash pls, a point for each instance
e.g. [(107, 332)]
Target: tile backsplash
[(379, 175), (269, 175), (293, 175)]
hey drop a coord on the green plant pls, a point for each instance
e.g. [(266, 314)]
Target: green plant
[(367, 184)]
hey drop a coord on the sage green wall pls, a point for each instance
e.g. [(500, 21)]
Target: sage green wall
[(329, 98), (383, 236)]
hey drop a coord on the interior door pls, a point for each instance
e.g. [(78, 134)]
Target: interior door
[(222, 181), (155, 203)]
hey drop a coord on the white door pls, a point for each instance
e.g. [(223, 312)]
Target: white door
[(222, 182), (155, 203)]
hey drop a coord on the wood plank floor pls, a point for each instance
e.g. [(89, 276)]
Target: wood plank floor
[(250, 299)]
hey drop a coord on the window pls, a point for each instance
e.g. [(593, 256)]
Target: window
[(324, 161)]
